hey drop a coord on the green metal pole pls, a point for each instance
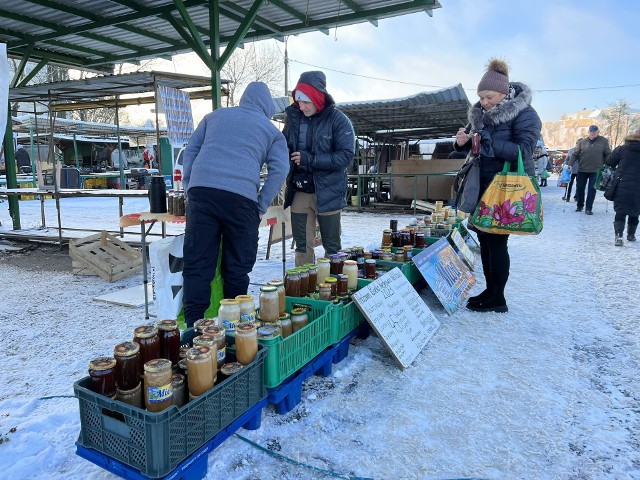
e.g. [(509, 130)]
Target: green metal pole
[(75, 151), (214, 26), (10, 166)]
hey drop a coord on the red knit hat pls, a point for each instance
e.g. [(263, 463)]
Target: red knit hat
[(315, 95)]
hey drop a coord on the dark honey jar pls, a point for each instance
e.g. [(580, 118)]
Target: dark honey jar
[(147, 337), (128, 366), (102, 374), (169, 334)]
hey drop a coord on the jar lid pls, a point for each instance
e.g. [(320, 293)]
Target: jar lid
[(229, 301), (324, 285), (268, 331), (387, 230), (229, 369), (126, 349), (298, 311), (408, 248), (167, 325), (157, 365), (350, 262), (244, 298), (206, 340), (214, 331), (276, 283), (303, 269), (245, 327), (268, 288), (196, 353), (370, 261), (177, 380), (183, 351), (330, 280), (206, 322), (323, 260), (145, 331), (102, 363), (284, 316), (182, 364), (292, 271)]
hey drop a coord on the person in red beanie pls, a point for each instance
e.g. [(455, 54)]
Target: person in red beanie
[(321, 143)]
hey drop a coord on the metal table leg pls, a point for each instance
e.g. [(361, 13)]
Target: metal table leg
[(145, 280)]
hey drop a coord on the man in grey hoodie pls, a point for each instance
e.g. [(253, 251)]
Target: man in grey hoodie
[(221, 178)]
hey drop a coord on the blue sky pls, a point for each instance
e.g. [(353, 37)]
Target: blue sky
[(576, 47)]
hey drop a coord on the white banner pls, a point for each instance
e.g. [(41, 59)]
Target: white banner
[(4, 88)]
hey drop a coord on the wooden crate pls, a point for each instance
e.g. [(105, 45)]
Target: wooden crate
[(104, 255)]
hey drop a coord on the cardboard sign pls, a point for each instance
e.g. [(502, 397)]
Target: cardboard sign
[(398, 315), (460, 246), (447, 275)]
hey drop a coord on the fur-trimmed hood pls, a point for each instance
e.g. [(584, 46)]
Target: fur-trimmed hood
[(501, 113), (632, 137)]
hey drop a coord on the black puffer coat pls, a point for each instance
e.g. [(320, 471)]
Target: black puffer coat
[(506, 126), (626, 159), (332, 141)]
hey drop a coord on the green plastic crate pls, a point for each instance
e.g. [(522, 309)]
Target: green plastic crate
[(346, 317), (288, 355), (408, 269), (156, 443)]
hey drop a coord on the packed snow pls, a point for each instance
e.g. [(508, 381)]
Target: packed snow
[(549, 390)]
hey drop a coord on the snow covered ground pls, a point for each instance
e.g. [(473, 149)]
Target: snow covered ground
[(550, 390)]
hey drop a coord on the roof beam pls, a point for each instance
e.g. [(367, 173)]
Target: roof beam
[(193, 40), (263, 22), (295, 13), (356, 8), (238, 37)]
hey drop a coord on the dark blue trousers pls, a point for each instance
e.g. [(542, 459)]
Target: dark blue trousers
[(583, 178), (214, 215)]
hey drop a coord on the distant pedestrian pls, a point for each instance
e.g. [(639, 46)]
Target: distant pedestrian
[(591, 152), (626, 202), (541, 157), (574, 173)]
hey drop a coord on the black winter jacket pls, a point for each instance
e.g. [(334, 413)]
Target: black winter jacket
[(626, 158), (332, 142), (506, 126)]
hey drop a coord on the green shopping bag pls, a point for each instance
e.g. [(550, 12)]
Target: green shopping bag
[(511, 204)]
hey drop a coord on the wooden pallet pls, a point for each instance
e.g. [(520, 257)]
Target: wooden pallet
[(104, 255)]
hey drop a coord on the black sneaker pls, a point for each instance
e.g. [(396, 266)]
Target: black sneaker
[(589, 212), (578, 209)]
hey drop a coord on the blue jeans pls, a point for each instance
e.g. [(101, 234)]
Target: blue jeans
[(211, 215), (583, 177)]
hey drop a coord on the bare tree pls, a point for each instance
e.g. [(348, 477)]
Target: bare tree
[(619, 121), (255, 63)]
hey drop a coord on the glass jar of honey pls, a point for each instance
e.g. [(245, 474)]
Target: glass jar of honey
[(128, 366), (304, 281), (350, 269), (313, 278), (370, 269), (218, 333), (210, 342), (386, 237), (230, 369), (285, 325), (247, 308), (132, 396), (103, 377), (229, 314), (282, 295), (299, 319), (419, 238), (201, 375), (269, 304), (203, 323), (324, 268), (157, 384), (246, 343), (292, 283), (177, 382), (342, 288), (408, 253), (169, 334), (336, 261), (270, 330), (333, 283), (324, 292), (147, 337)]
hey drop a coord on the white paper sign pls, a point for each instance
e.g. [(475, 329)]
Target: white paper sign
[(398, 315)]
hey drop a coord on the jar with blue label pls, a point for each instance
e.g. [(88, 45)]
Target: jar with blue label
[(247, 308), (158, 384), (229, 315)]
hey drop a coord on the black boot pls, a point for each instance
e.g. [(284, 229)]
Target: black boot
[(618, 227), (476, 300), (631, 232), (495, 303)]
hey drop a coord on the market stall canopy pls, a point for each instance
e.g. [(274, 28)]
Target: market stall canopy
[(425, 115), (97, 34), (99, 92)]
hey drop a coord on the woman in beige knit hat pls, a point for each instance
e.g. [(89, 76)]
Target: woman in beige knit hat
[(505, 120)]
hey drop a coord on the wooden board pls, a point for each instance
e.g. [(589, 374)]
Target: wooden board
[(398, 315), (445, 272), (128, 297)]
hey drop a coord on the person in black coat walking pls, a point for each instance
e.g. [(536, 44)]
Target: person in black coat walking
[(626, 201), (505, 121)]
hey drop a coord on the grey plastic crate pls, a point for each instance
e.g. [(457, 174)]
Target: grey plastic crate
[(155, 443)]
